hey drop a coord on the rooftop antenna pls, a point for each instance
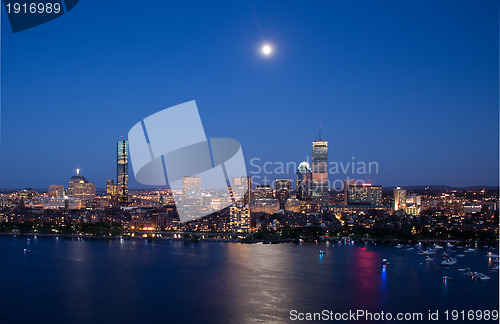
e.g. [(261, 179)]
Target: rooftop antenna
[(319, 132), (77, 171)]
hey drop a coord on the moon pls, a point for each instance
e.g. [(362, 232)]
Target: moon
[(266, 49)]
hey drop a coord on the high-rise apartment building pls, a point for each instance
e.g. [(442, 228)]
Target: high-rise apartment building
[(399, 198), (239, 218)]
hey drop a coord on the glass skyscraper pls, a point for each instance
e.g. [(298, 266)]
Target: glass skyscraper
[(320, 171), (122, 172), (303, 183)]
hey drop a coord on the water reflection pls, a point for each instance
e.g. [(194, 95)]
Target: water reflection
[(114, 280)]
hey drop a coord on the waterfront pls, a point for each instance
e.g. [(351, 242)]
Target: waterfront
[(102, 281)]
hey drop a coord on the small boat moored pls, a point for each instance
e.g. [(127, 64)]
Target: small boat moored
[(449, 262)]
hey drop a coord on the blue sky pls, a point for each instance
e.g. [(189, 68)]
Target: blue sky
[(412, 85)]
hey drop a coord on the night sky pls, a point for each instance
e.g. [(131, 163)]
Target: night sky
[(412, 85)]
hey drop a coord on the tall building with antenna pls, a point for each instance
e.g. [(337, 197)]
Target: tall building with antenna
[(122, 172), (320, 170)]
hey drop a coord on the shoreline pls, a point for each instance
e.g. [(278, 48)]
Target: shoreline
[(243, 241)]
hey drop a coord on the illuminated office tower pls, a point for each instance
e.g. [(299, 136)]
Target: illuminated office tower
[(111, 189), (399, 198), (239, 218), (80, 187), (303, 182), (320, 171), (375, 195), (347, 185), (362, 194), (191, 186), (282, 190), (414, 199), (262, 192), (122, 172), (243, 184), (56, 191)]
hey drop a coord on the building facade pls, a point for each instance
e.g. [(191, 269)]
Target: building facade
[(56, 191), (399, 198), (239, 218), (362, 194), (80, 187), (303, 182), (122, 172), (282, 190), (320, 172)]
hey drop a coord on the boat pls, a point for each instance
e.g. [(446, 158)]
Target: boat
[(494, 267), (449, 262), (385, 262), (461, 269), (409, 249), (450, 245), (480, 276), (428, 258), (469, 250), (435, 246), (492, 255), (460, 255), (399, 246), (321, 252), (448, 278)]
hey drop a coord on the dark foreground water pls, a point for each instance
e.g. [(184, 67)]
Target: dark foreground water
[(136, 281)]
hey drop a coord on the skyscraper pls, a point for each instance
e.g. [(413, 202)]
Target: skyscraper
[(320, 171), (362, 194), (122, 172), (80, 187), (282, 190), (191, 186), (303, 183), (262, 192), (56, 191), (399, 198), (242, 185), (111, 189), (239, 218)]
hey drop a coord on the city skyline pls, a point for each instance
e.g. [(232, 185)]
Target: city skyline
[(249, 161), (319, 151), (421, 99)]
